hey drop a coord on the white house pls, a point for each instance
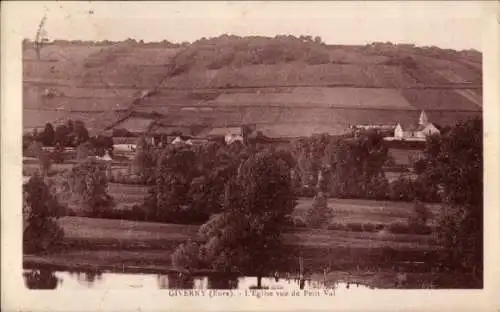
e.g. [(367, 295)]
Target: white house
[(124, 147)]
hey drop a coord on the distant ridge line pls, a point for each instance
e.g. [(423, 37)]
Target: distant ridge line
[(453, 85)]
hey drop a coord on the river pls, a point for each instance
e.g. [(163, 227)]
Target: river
[(65, 280)]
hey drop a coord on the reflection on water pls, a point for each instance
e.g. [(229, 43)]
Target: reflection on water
[(41, 279), (45, 279), (86, 278)]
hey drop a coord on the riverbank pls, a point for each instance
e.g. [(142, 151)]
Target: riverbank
[(400, 260), (131, 246)]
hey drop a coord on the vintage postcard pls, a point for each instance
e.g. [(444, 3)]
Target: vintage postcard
[(250, 156)]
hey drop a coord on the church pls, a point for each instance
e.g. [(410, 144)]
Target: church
[(418, 132)]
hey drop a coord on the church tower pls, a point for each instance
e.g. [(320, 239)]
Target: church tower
[(423, 120)]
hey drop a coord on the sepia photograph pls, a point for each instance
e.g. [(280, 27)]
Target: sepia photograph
[(258, 149)]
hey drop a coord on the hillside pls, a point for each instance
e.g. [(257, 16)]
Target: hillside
[(285, 85)]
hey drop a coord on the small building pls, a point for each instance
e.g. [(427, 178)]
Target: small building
[(130, 148), (125, 144), (198, 141)]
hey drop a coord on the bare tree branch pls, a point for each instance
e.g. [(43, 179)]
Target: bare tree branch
[(41, 35)]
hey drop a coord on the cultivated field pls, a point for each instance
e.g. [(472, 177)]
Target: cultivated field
[(374, 77)]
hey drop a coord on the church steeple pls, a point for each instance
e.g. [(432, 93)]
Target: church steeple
[(422, 120)]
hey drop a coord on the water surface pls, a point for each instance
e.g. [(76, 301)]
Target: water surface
[(64, 280)]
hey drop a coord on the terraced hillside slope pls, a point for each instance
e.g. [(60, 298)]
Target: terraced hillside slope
[(286, 86)]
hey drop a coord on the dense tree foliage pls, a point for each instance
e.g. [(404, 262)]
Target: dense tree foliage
[(71, 134), (175, 171), (246, 236), (40, 213), (144, 161), (455, 163), (357, 167), (352, 166), (187, 181), (89, 183)]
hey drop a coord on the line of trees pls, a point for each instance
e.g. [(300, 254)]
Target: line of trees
[(71, 134)]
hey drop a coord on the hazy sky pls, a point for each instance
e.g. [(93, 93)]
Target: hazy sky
[(455, 25)]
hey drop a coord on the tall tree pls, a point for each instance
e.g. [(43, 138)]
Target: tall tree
[(455, 162), (357, 166), (144, 162), (61, 135), (89, 183), (80, 134), (48, 135), (40, 213), (246, 236), (175, 170)]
